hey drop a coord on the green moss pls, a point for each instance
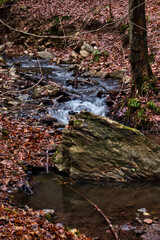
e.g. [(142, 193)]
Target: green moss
[(140, 118), (77, 233), (153, 86), (123, 27), (148, 86), (5, 132), (109, 20), (152, 58), (11, 197), (25, 168), (133, 169), (54, 156), (147, 18), (132, 129), (105, 53), (48, 217), (79, 122), (66, 18), (3, 1)]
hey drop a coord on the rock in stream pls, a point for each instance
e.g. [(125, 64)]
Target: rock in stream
[(97, 148)]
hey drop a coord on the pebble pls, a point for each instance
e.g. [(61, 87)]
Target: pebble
[(142, 210), (138, 220), (23, 97), (148, 221), (31, 54), (146, 214), (156, 219), (48, 211), (84, 53)]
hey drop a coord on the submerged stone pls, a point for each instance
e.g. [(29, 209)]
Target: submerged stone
[(97, 148)]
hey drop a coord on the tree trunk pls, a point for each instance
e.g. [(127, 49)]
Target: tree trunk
[(140, 67)]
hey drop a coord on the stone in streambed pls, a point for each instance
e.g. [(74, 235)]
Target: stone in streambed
[(97, 148), (46, 91), (45, 54), (118, 74), (142, 210), (148, 221), (23, 97), (84, 53)]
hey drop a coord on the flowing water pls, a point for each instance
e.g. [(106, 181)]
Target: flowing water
[(83, 96)]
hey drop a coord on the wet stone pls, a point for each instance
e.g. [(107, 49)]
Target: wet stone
[(46, 91), (109, 139), (48, 121), (59, 125), (47, 101), (146, 214), (148, 221), (23, 97), (45, 54), (142, 210)]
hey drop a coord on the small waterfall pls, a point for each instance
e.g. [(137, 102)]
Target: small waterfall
[(63, 111)]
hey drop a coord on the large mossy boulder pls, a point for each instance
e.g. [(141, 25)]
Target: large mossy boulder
[(97, 148)]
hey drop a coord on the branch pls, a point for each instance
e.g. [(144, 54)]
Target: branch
[(63, 31), (75, 36), (113, 231), (27, 89), (35, 35), (69, 36), (139, 26)]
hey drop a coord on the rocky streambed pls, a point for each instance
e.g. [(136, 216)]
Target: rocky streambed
[(61, 92)]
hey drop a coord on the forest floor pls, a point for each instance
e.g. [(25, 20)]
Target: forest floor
[(22, 140)]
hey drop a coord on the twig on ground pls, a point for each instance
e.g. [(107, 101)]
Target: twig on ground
[(74, 36), (65, 42), (27, 89), (35, 35), (24, 90)]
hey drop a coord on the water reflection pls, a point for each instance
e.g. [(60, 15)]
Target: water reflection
[(118, 201)]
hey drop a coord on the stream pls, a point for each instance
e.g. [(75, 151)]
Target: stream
[(81, 97), (120, 202)]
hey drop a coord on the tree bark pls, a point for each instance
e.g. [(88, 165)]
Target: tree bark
[(140, 67)]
